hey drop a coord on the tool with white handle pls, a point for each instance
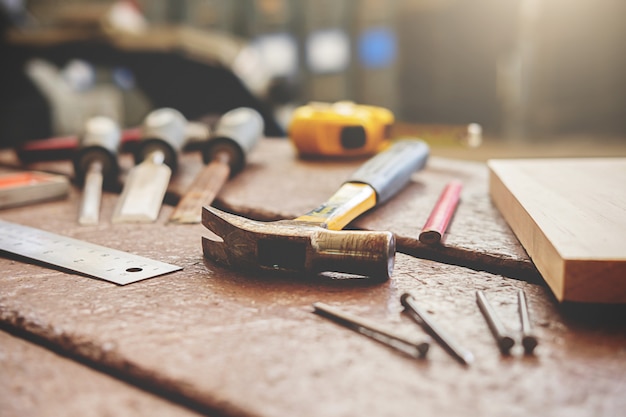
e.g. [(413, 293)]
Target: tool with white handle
[(164, 133), (95, 164), (236, 133)]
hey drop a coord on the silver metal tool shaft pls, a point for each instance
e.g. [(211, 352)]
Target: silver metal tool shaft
[(464, 356), (413, 348)]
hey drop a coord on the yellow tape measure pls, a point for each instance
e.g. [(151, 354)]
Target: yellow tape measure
[(340, 129)]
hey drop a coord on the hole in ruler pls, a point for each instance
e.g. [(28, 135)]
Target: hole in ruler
[(134, 269)]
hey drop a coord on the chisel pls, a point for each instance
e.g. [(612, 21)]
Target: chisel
[(164, 132), (236, 133), (95, 164)]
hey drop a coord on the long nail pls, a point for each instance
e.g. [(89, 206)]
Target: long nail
[(529, 340), (462, 355), (413, 348), (504, 340)]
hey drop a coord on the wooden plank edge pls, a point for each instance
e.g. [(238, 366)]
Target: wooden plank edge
[(593, 282), (608, 281), (536, 244)]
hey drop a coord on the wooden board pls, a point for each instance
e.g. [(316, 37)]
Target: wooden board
[(570, 216)]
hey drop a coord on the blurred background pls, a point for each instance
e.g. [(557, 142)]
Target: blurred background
[(528, 71)]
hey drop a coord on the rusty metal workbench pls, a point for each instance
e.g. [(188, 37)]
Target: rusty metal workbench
[(207, 340)]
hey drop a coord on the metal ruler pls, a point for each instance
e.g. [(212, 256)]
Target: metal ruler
[(87, 258)]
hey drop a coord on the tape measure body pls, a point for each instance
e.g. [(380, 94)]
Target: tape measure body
[(340, 129)]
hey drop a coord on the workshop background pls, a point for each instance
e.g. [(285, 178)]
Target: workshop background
[(525, 70)]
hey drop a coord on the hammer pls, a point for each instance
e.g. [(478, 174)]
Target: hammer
[(314, 243)]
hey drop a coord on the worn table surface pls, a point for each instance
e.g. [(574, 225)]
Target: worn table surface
[(227, 343)]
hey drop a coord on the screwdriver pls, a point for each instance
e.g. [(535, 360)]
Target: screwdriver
[(236, 133), (95, 164)]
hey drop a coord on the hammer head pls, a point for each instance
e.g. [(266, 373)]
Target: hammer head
[(296, 246)]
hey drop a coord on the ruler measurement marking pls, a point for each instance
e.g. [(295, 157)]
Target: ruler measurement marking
[(92, 260)]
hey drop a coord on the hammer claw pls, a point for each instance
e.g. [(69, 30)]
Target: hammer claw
[(220, 222), (233, 243), (215, 249)]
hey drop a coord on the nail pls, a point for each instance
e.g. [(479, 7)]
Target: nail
[(505, 342), (529, 340), (462, 355), (416, 349)]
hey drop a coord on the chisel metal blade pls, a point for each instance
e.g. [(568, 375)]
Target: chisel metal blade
[(144, 190), (92, 195)]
